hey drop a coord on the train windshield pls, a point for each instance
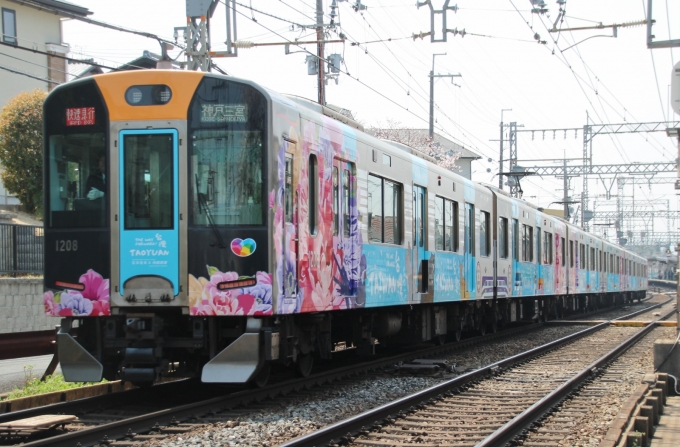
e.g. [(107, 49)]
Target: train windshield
[(76, 162), (227, 134)]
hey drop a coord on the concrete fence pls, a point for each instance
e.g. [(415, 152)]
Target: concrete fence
[(21, 306)]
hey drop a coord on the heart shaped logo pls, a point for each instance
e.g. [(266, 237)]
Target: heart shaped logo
[(243, 247)]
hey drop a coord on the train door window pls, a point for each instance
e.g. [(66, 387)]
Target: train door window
[(421, 214), (593, 266), (547, 248), (347, 189), (384, 212), (503, 237), (571, 253), (582, 257), (538, 245), (439, 223), (611, 263), (515, 239), (451, 225), (288, 192), (527, 243), (563, 258), (148, 181), (485, 234), (313, 180), (336, 200), (469, 228)]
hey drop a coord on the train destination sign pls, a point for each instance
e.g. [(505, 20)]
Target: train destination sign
[(224, 113), (80, 116)]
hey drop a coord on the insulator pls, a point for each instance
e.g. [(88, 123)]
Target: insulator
[(243, 44)]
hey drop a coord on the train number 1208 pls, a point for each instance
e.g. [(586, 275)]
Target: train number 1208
[(66, 245)]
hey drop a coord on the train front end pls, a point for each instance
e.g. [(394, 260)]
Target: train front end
[(156, 226)]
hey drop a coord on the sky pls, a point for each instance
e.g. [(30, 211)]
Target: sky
[(576, 77)]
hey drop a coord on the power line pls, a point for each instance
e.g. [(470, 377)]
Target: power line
[(23, 73)]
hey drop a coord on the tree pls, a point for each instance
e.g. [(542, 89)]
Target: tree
[(419, 140), (21, 148)]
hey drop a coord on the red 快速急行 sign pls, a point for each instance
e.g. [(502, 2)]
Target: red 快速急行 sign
[(80, 116)]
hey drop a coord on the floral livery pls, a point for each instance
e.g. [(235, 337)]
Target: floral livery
[(206, 298), (92, 301), (323, 272)]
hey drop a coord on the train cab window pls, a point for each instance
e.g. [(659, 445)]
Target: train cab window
[(148, 181), (77, 181), (384, 210), (485, 234), (227, 168), (502, 237)]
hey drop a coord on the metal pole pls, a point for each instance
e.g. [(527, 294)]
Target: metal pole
[(431, 128), (319, 52), (500, 175)]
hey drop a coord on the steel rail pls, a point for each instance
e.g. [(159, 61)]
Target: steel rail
[(344, 430), (515, 427), (26, 344), (169, 417)]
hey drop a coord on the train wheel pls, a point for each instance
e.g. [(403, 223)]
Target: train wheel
[(304, 365), (260, 379), (494, 326), (457, 334)]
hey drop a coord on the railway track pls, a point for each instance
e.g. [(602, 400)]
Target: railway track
[(162, 410), (491, 406)]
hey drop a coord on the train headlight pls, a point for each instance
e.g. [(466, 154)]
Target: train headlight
[(148, 95)]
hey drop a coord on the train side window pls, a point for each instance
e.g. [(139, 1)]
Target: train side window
[(384, 212), (593, 266), (288, 193), (563, 258), (484, 234), (313, 194), (336, 200), (571, 253), (515, 239), (503, 237)]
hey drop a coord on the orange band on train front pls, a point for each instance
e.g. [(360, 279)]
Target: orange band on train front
[(182, 83)]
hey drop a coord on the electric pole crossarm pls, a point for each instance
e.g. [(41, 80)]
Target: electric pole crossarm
[(634, 168), (637, 214)]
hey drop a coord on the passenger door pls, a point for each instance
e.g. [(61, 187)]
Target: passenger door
[(149, 215), (345, 232), (420, 267), (469, 256), (290, 243)]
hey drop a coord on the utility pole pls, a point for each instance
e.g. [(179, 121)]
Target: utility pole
[(319, 52), (432, 76), (500, 169)]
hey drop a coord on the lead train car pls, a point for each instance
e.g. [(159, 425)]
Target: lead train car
[(200, 225)]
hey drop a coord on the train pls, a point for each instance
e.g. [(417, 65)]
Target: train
[(200, 225)]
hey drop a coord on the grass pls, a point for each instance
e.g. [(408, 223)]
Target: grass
[(33, 386)]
